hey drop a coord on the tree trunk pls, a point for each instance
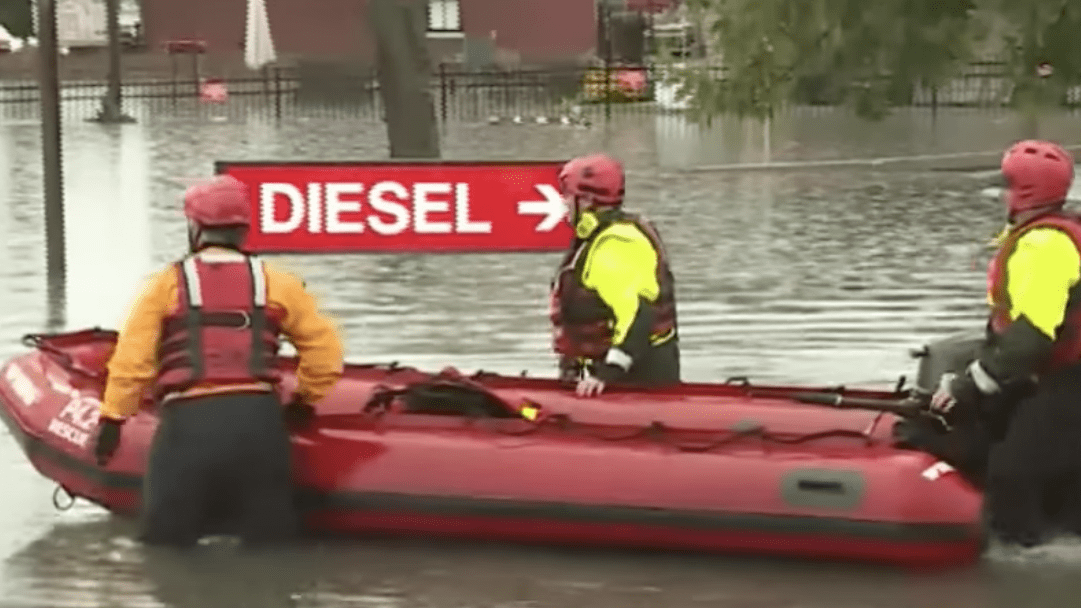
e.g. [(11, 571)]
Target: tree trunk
[(403, 72)]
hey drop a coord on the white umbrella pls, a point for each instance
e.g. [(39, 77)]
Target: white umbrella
[(258, 43)]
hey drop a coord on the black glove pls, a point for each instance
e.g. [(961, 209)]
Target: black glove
[(570, 369), (107, 440), (297, 414), (607, 373), (968, 398), (910, 434), (958, 398)]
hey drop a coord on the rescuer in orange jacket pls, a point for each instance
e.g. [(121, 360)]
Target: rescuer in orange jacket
[(202, 337), (1033, 342), (612, 304)]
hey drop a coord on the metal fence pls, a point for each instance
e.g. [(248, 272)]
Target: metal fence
[(526, 96)]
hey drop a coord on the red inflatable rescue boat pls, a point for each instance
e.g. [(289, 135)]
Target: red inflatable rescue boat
[(717, 467)]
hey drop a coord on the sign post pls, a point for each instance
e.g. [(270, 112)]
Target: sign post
[(398, 207)]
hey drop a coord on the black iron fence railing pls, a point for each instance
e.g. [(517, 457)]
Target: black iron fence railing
[(537, 95)]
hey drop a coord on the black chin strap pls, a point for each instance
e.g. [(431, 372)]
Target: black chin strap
[(194, 246)]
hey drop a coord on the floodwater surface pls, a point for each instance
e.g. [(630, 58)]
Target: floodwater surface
[(816, 275)]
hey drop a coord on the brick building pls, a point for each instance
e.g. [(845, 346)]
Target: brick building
[(460, 31)]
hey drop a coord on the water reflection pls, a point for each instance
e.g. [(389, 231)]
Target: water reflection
[(96, 563), (6, 204), (818, 276), (107, 230)]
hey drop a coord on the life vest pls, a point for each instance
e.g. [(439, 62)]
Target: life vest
[(581, 321), (1067, 345), (221, 331)]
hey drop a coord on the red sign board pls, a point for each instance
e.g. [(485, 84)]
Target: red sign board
[(327, 207)]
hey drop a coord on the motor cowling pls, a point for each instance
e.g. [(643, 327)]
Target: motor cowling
[(950, 354)]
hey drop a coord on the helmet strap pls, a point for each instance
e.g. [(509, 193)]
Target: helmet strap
[(194, 237), (1025, 215), (199, 240)]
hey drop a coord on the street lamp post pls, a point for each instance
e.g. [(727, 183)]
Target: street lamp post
[(51, 156)]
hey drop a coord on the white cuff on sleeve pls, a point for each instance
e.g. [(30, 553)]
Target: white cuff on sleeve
[(618, 358), (983, 380)]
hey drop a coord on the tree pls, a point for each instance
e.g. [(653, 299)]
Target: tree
[(872, 54), (16, 18), (1042, 57)]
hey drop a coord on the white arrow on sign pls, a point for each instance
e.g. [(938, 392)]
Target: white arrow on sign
[(551, 207)]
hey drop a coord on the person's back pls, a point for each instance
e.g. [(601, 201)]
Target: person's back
[(203, 335)]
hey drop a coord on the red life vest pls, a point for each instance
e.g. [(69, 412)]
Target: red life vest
[(221, 331), (1067, 345), (581, 321)]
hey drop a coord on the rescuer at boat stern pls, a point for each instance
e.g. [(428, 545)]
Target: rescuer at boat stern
[(612, 304), (202, 337), (1033, 336)]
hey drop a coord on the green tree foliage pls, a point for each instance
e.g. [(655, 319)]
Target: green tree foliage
[(16, 18), (870, 54), (1041, 32)]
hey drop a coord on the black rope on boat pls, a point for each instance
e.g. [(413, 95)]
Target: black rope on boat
[(64, 359), (383, 396), (662, 434), (61, 490), (900, 386)]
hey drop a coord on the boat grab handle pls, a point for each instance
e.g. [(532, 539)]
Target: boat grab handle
[(816, 485), (823, 488)]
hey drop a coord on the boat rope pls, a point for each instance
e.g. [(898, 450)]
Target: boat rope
[(62, 491), (40, 342), (659, 432), (384, 396)]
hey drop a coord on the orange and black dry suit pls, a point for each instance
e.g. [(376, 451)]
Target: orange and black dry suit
[(201, 338), (613, 306)]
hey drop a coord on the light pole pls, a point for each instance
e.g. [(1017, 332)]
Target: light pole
[(51, 156)]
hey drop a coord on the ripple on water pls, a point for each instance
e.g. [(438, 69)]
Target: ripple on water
[(810, 276)]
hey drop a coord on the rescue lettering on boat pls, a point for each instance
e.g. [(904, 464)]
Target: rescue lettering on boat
[(21, 385), (75, 423)]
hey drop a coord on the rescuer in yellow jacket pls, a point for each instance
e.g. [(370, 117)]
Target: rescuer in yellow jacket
[(202, 339), (1033, 340), (613, 307)]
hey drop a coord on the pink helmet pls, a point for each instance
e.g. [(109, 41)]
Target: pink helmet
[(597, 178), (1038, 174), (221, 201)]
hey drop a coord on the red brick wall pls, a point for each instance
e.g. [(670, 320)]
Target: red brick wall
[(539, 30)]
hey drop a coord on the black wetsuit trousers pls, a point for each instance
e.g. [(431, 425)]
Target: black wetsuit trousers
[(659, 366), (1033, 474), (219, 464)]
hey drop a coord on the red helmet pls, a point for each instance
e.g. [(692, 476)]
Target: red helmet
[(221, 201), (597, 178), (1037, 173)]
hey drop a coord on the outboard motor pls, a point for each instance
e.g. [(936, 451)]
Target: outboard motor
[(950, 354)]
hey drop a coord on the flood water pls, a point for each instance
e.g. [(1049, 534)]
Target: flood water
[(812, 275)]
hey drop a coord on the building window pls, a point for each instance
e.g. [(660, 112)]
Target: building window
[(444, 16)]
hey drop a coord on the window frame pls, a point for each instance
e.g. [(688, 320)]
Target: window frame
[(432, 29)]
